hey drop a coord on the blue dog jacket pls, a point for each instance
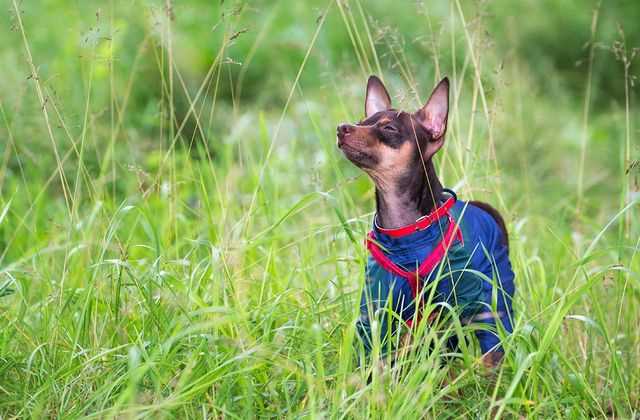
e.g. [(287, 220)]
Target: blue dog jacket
[(458, 249)]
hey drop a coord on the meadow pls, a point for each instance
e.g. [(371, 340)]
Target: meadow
[(181, 238)]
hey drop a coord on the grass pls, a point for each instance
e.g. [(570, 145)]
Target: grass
[(179, 236)]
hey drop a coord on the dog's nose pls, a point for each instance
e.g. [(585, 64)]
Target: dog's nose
[(344, 129)]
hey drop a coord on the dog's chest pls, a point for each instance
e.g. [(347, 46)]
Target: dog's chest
[(466, 275)]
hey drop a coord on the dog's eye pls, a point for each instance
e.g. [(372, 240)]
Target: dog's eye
[(390, 128)]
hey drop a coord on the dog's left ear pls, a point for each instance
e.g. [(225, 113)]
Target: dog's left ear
[(433, 115), (377, 97)]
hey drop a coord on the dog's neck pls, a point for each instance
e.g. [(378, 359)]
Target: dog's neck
[(402, 202)]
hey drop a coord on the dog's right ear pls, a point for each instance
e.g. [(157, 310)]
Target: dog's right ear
[(377, 97), (433, 117), (434, 114)]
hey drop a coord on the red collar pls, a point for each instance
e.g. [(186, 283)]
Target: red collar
[(422, 223)]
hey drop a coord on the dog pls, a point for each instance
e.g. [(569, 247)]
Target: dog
[(422, 234)]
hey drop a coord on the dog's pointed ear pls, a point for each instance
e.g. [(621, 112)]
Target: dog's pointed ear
[(433, 115), (377, 97)]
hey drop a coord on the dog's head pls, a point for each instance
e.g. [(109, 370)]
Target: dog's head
[(388, 143)]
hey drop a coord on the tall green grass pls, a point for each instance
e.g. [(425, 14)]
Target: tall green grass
[(179, 236)]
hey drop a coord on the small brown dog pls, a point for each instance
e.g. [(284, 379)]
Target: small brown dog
[(422, 235)]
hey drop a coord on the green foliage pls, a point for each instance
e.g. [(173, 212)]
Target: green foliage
[(180, 237)]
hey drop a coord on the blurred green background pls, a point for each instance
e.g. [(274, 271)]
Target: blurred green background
[(178, 229), (116, 47)]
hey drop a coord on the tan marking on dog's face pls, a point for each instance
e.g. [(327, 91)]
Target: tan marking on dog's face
[(394, 162)]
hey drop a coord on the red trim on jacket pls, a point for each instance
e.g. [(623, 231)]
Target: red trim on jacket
[(431, 260)]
